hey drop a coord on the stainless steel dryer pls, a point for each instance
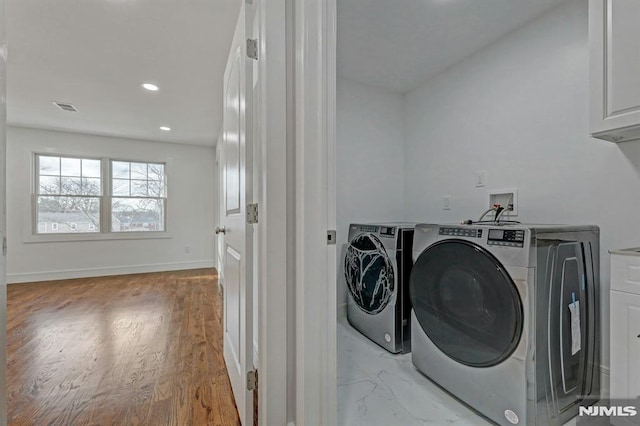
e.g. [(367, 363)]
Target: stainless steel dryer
[(506, 318), (377, 267)]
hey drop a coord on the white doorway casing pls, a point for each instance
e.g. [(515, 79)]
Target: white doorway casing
[(315, 207), (275, 216)]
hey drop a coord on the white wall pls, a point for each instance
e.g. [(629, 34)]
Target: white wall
[(519, 110), (3, 223), (370, 161), (190, 210)]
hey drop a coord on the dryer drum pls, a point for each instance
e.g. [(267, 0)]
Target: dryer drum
[(465, 303), (369, 273)]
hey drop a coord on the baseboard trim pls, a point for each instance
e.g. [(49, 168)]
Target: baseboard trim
[(25, 277)]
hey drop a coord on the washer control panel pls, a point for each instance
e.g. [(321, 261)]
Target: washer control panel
[(461, 232), (506, 237)]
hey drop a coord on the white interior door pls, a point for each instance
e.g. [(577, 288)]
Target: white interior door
[(221, 210), (238, 236)]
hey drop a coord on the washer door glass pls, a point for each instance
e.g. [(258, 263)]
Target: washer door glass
[(466, 303), (369, 273)]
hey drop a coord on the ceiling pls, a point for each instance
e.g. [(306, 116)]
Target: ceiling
[(400, 44), (95, 54)]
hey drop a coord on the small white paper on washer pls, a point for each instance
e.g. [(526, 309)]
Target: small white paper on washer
[(574, 307)]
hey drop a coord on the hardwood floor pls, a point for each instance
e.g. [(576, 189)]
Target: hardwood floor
[(137, 349)]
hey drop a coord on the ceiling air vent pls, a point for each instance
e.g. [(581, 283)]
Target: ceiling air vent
[(65, 107)]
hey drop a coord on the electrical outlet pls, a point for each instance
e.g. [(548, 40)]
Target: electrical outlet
[(446, 202), (505, 197), (187, 249), (481, 179)]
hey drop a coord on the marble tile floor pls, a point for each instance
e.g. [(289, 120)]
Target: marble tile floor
[(376, 387)]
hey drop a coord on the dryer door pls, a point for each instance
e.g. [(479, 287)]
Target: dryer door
[(466, 303), (369, 273)]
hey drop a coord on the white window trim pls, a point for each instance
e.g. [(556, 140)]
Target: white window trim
[(96, 236), (30, 226)]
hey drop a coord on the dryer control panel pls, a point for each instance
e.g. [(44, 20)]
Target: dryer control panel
[(387, 231), (506, 237), (367, 228)]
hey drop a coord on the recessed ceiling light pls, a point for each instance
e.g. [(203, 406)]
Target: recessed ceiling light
[(165, 128), (150, 86)]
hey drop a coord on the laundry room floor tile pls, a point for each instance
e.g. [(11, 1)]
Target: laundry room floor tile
[(379, 388)]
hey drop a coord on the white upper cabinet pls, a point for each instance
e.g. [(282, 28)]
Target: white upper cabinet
[(614, 38)]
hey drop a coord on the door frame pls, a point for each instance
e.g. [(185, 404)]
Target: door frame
[(296, 162), (275, 215), (314, 48)]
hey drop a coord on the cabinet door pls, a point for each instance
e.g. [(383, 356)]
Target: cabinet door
[(614, 37), (625, 272), (625, 345)]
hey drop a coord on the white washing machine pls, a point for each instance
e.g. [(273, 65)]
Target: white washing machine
[(377, 266), (506, 317)]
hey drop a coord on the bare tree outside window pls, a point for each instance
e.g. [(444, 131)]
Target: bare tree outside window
[(70, 195), (138, 196), (69, 192)]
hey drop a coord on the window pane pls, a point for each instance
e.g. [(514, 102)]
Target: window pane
[(49, 185), (120, 187), (156, 189), (49, 165), (68, 214), (156, 172), (135, 214), (91, 168), (120, 169), (70, 167), (139, 188), (91, 186), (71, 186), (139, 171)]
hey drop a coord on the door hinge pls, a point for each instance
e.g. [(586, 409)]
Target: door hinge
[(252, 213), (331, 237), (252, 48), (4, 246), (252, 380)]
